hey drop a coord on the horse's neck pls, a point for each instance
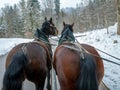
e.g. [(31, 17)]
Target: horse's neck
[(45, 39), (47, 44), (43, 36), (66, 39), (66, 36), (42, 42)]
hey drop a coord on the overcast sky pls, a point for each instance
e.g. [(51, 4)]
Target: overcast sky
[(64, 3)]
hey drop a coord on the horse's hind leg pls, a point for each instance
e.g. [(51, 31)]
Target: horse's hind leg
[(48, 81), (39, 86)]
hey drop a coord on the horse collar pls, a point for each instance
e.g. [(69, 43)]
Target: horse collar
[(66, 38), (43, 37)]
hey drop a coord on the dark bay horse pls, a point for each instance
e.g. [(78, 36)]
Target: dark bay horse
[(30, 60), (75, 67)]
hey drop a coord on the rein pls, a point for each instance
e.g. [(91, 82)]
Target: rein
[(97, 55), (45, 42), (42, 37), (85, 51)]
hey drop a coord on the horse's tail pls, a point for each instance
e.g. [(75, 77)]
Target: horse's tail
[(88, 78), (14, 74)]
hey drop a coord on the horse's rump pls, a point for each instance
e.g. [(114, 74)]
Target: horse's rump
[(72, 69), (32, 50), (12, 52), (67, 65), (98, 61)]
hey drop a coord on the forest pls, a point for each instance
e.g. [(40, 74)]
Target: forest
[(22, 19)]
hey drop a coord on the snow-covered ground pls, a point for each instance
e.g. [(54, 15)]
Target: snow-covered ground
[(6, 44), (109, 43)]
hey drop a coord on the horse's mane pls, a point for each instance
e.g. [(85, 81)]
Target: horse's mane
[(67, 35)]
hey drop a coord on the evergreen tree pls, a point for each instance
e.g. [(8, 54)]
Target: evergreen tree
[(12, 21), (7, 12), (23, 9), (33, 15), (2, 27), (17, 21)]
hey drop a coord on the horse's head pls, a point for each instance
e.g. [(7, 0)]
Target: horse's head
[(67, 26), (67, 33), (49, 28), (46, 30)]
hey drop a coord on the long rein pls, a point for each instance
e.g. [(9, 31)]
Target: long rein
[(85, 51)]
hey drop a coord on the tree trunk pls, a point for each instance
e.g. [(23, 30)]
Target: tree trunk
[(118, 17), (105, 16)]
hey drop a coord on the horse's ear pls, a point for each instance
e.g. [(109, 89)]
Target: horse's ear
[(37, 29), (72, 24), (51, 20), (63, 23), (45, 18)]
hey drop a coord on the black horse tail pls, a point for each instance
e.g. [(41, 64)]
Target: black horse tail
[(88, 78), (14, 74)]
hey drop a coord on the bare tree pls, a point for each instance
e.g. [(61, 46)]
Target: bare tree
[(118, 17), (48, 7), (57, 8), (105, 15)]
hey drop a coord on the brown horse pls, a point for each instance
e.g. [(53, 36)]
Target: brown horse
[(75, 67), (31, 60)]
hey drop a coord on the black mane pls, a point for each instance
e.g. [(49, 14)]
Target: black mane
[(67, 34)]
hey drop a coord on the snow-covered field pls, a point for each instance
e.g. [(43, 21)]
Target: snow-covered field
[(109, 43)]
